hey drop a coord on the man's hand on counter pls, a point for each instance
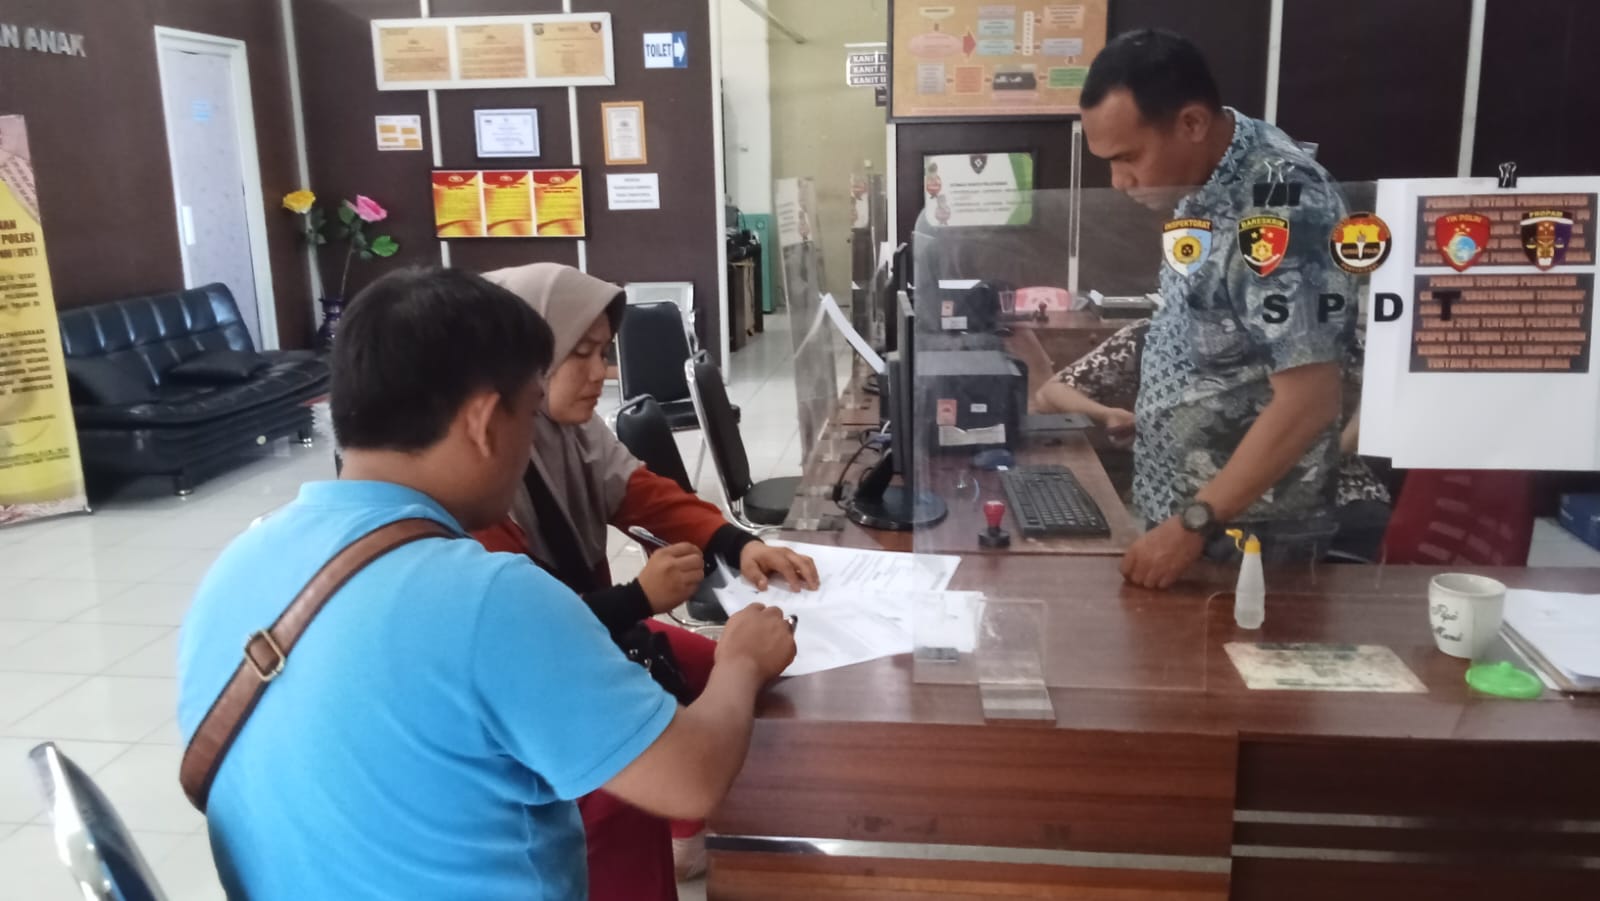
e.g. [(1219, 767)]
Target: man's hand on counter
[(1161, 555)]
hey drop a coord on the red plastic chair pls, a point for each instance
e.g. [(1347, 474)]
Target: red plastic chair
[(1450, 516)]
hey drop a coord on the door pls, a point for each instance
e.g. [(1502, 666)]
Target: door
[(215, 173)]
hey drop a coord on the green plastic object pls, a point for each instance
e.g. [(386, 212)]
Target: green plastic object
[(1503, 680)]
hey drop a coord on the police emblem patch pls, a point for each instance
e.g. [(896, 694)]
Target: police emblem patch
[(1360, 243), (1545, 236), (1461, 238), (1186, 243), (1263, 241)]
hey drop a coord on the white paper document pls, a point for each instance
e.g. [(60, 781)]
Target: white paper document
[(633, 192), (842, 323), (863, 609), (1271, 666), (1564, 628)]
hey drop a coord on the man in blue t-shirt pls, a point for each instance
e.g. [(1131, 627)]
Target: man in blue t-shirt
[(437, 719)]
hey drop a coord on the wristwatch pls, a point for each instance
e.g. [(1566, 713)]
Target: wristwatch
[(1198, 517)]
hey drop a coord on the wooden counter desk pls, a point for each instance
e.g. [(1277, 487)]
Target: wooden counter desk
[(1163, 776)]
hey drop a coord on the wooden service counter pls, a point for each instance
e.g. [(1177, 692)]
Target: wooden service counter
[(1163, 776)]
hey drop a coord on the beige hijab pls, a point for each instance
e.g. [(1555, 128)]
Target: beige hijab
[(586, 467)]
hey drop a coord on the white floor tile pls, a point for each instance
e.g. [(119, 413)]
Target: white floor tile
[(210, 531), (187, 872), (55, 600), (89, 532), (142, 784), (149, 604), (158, 659), (15, 631), (190, 570), (102, 708), (86, 648), (23, 693), (32, 869), (21, 798), (132, 564), (626, 565), (165, 734), (24, 531), (35, 873), (616, 540), (31, 560)]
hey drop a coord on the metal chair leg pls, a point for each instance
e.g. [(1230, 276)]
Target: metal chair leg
[(700, 461), (737, 516)]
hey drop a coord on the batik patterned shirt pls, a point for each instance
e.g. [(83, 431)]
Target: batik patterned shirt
[(1224, 329)]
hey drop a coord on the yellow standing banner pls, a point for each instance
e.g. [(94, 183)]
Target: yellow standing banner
[(40, 471)]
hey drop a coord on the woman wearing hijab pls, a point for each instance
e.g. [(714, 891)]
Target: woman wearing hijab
[(580, 479)]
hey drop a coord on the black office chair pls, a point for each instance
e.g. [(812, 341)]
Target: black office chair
[(653, 344), (90, 838), (752, 505), (645, 432)]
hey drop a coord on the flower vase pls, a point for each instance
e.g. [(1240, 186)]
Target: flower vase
[(332, 310)]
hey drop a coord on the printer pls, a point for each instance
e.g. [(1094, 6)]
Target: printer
[(969, 400)]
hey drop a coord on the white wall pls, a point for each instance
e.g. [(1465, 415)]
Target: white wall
[(747, 107)]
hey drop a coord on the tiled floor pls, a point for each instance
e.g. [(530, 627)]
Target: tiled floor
[(89, 614)]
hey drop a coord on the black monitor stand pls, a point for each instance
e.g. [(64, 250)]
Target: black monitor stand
[(880, 505)]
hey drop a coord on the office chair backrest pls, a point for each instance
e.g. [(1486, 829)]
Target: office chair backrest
[(1445, 517), (644, 431), (720, 426), (652, 348), (93, 843)]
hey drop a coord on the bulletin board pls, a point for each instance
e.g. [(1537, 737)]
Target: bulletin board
[(557, 50), (1479, 339), (978, 59), (509, 203)]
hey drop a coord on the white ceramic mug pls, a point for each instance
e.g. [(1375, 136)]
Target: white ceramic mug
[(1465, 612)]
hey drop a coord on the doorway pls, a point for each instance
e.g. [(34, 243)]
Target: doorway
[(216, 173)]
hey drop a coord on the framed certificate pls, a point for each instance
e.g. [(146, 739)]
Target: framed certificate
[(470, 52), (624, 133), (507, 132)]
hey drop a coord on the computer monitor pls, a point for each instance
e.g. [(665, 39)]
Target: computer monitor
[(877, 503), (900, 282)]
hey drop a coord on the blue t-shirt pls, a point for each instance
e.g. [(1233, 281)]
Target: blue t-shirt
[(434, 724)]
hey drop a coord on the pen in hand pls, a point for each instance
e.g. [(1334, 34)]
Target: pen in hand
[(646, 536)]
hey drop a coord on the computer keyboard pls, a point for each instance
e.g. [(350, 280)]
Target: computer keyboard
[(1048, 501)]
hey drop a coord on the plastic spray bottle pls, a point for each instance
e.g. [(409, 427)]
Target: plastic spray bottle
[(1250, 593)]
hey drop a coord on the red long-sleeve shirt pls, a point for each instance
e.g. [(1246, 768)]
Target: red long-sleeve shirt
[(657, 504)]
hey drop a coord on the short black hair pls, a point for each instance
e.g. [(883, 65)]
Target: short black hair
[(1164, 71), (416, 343)]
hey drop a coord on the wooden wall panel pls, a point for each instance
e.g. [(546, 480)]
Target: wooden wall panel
[(99, 144), (1537, 102), (679, 241), (1377, 83), (339, 100)]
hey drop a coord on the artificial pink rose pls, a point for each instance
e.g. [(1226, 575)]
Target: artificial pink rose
[(368, 209)]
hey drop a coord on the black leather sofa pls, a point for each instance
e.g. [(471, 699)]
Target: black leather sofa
[(171, 384)]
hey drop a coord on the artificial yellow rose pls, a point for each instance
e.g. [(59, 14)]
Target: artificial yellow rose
[(299, 201)]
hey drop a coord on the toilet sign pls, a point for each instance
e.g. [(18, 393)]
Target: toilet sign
[(666, 50)]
